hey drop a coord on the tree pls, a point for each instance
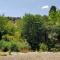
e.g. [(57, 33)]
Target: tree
[(32, 30), (52, 11), (49, 23), (3, 22)]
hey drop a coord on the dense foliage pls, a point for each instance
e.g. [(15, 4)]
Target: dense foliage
[(31, 32)]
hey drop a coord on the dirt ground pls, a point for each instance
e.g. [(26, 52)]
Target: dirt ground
[(32, 56)]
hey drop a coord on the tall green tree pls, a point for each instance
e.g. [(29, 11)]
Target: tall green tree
[(3, 22), (32, 30)]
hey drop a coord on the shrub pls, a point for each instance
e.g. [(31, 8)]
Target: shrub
[(43, 47), (13, 45), (23, 45), (5, 46)]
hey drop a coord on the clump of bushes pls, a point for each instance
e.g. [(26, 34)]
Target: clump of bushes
[(43, 47), (6, 46), (12, 46)]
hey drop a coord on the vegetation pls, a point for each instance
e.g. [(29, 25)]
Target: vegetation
[(31, 32)]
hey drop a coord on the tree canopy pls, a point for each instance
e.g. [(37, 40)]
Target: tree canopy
[(31, 32)]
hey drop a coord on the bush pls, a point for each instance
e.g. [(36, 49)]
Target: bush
[(13, 45), (5, 46), (43, 47), (56, 48), (23, 45)]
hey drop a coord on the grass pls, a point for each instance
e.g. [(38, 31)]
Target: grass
[(32, 56), (3, 54)]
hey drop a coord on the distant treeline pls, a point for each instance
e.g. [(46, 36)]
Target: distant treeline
[(31, 32)]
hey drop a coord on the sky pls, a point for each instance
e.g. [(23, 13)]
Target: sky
[(17, 8)]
